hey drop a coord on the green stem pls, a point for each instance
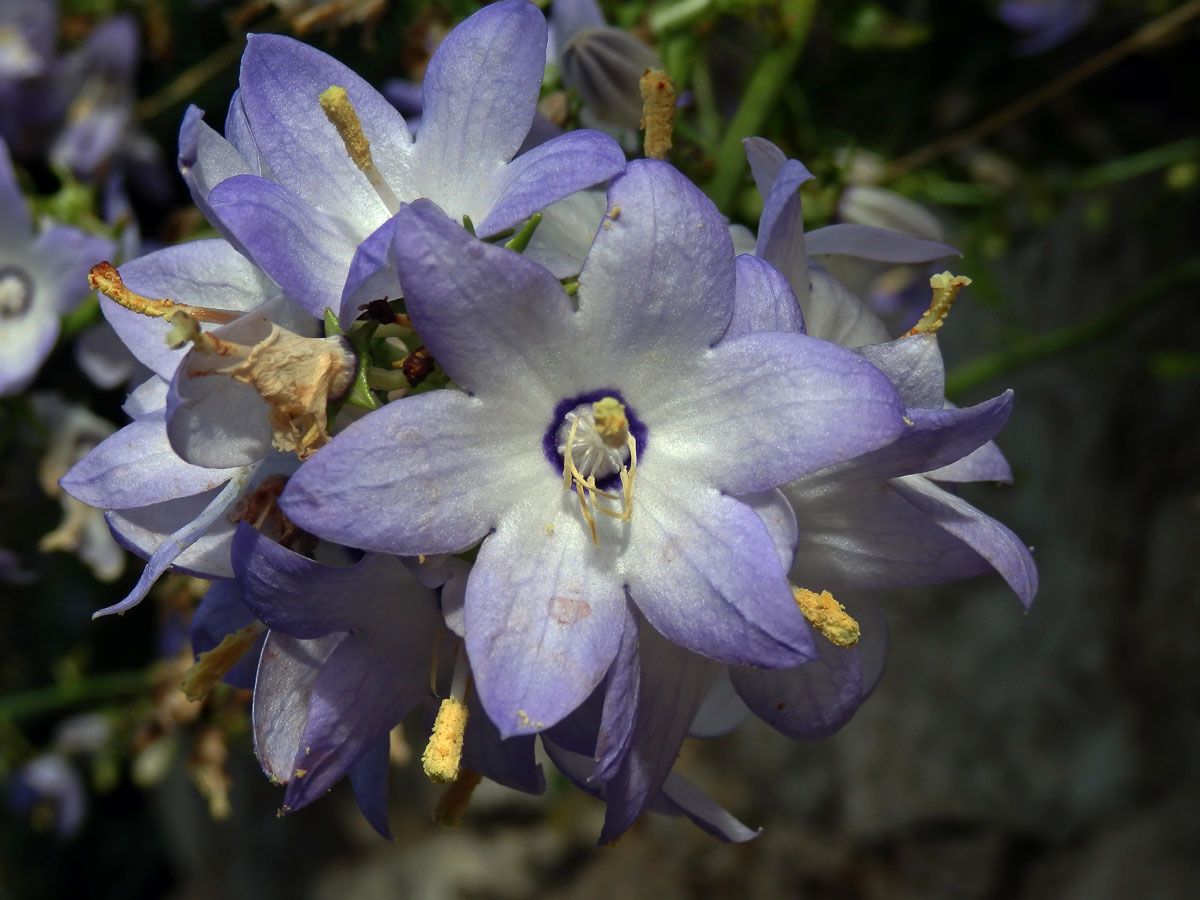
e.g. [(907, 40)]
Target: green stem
[(762, 94), (77, 692), (1036, 348)]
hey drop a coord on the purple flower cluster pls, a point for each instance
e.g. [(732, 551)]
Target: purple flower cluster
[(601, 505)]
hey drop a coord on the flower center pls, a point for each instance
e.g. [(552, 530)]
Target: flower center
[(596, 436), (16, 293), (597, 440)]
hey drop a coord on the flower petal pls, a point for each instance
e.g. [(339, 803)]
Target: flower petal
[(208, 529), (496, 322), (766, 160), (673, 685), (283, 686), (368, 684), (936, 437), (137, 467), (416, 477), (766, 407), (776, 513), (16, 225), (305, 251), (307, 599), (781, 238), (281, 83), (722, 709), (703, 570), (763, 301), (810, 701), (478, 100), (68, 254), (866, 537), (868, 242), (1006, 553), (985, 463), (659, 279), (619, 713), (369, 779), (549, 172), (207, 273), (833, 312), (205, 160), (372, 275), (914, 365), (544, 616), (705, 812)]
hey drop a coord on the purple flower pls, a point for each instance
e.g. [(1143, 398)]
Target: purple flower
[(1046, 23), (27, 106), (27, 31), (283, 187), (42, 276), (159, 506), (830, 310), (96, 83), (336, 628), (50, 779), (656, 420), (879, 520), (351, 651)]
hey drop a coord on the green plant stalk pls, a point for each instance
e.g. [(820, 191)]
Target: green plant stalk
[(762, 93), (1026, 351), (77, 692)]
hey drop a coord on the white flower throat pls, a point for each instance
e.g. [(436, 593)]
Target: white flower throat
[(595, 442), (16, 293)]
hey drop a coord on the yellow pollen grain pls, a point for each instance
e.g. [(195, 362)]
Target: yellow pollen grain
[(341, 115), (827, 616), (443, 753), (945, 288)]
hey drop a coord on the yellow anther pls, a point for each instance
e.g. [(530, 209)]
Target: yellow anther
[(342, 116), (213, 665), (453, 803), (827, 616), (658, 112), (945, 288), (104, 278), (443, 754), (611, 424)]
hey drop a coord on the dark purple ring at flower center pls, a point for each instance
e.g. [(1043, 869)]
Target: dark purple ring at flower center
[(637, 428)]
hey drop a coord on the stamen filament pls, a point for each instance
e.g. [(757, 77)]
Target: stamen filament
[(107, 280), (453, 803), (585, 487), (341, 115)]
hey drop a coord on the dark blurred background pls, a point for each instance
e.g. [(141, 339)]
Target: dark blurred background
[(1054, 754)]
